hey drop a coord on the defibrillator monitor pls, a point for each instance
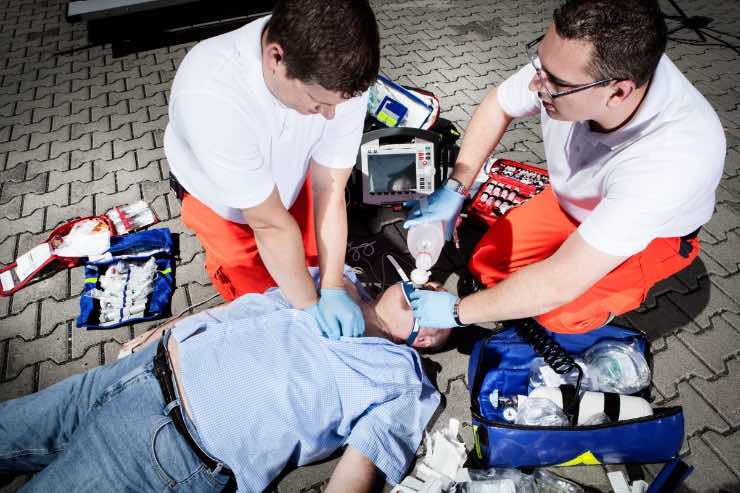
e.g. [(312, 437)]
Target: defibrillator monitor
[(394, 173)]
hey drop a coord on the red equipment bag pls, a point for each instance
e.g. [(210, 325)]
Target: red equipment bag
[(41, 258)]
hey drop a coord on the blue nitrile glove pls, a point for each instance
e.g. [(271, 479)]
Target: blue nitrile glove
[(341, 314), (315, 312), (434, 309), (444, 205)]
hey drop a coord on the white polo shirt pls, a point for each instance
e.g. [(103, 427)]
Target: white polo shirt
[(653, 178), (229, 141)]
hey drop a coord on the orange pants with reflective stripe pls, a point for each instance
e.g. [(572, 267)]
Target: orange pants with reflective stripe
[(232, 260), (535, 230)]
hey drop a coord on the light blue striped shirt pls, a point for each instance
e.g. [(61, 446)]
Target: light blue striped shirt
[(266, 389)]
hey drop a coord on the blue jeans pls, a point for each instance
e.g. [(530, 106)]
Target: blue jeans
[(104, 430)]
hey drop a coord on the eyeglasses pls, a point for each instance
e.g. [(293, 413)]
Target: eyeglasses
[(542, 75)]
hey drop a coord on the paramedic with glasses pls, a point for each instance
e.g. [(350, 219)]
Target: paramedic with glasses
[(634, 153)]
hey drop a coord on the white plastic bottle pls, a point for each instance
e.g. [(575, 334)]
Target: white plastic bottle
[(425, 242)]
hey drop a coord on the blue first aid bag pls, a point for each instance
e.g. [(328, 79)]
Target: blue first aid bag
[(133, 247), (500, 367)]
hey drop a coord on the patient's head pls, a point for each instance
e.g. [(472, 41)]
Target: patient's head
[(394, 320)]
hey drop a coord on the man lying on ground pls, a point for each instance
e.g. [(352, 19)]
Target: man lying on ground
[(243, 389)]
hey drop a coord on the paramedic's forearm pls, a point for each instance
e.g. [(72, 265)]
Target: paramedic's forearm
[(281, 249), (481, 137), (526, 293), (331, 239), (354, 472), (330, 216)]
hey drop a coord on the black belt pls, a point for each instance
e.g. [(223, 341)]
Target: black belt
[(164, 376), (176, 187), (685, 247)]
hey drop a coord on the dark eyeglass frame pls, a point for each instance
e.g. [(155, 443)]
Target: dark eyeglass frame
[(573, 87)]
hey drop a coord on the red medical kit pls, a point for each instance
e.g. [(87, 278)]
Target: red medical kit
[(509, 184)]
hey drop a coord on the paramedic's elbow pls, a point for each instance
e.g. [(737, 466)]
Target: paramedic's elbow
[(270, 215)]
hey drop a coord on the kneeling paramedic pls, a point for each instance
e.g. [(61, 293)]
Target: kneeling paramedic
[(264, 127), (634, 152)]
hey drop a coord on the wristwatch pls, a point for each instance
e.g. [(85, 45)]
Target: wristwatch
[(456, 186), (456, 314)]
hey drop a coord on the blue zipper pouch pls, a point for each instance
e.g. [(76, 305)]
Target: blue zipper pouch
[(131, 248)]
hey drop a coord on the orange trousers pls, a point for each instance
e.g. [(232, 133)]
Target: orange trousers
[(232, 260), (535, 230)]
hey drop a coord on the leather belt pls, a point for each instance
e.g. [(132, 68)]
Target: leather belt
[(685, 247), (163, 373), (177, 188)]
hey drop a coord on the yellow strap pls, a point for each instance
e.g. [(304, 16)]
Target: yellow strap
[(477, 442), (166, 271), (91, 280), (585, 459)]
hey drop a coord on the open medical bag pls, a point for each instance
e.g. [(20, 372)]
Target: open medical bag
[(500, 366), (133, 248), (42, 259)]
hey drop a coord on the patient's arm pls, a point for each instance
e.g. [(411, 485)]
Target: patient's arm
[(354, 472)]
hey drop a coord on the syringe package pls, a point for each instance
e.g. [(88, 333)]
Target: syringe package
[(132, 282), (132, 217), (500, 381)]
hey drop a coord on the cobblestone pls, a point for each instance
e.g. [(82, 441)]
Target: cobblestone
[(82, 132)]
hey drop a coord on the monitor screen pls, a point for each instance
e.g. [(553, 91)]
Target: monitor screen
[(391, 172)]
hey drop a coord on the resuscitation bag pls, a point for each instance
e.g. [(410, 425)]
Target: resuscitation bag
[(500, 366), (132, 248)]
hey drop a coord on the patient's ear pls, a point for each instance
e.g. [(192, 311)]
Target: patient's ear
[(423, 341), (433, 286)]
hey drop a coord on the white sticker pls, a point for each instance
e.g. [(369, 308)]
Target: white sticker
[(27, 263), (6, 280)]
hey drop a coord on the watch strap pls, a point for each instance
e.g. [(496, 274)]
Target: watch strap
[(456, 314), (456, 186)]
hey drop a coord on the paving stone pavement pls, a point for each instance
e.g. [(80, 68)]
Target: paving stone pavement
[(82, 132)]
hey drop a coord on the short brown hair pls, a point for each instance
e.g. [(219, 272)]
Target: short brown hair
[(628, 36), (332, 43)]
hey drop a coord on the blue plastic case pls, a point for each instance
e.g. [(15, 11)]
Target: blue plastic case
[(502, 361)]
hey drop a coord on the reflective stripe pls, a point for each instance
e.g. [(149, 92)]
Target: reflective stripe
[(587, 459), (91, 280), (477, 442)]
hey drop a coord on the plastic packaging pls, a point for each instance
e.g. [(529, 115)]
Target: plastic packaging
[(608, 366), (539, 411), (591, 407), (86, 238), (497, 480), (548, 482), (541, 375), (617, 367), (131, 217), (124, 290), (425, 242)]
